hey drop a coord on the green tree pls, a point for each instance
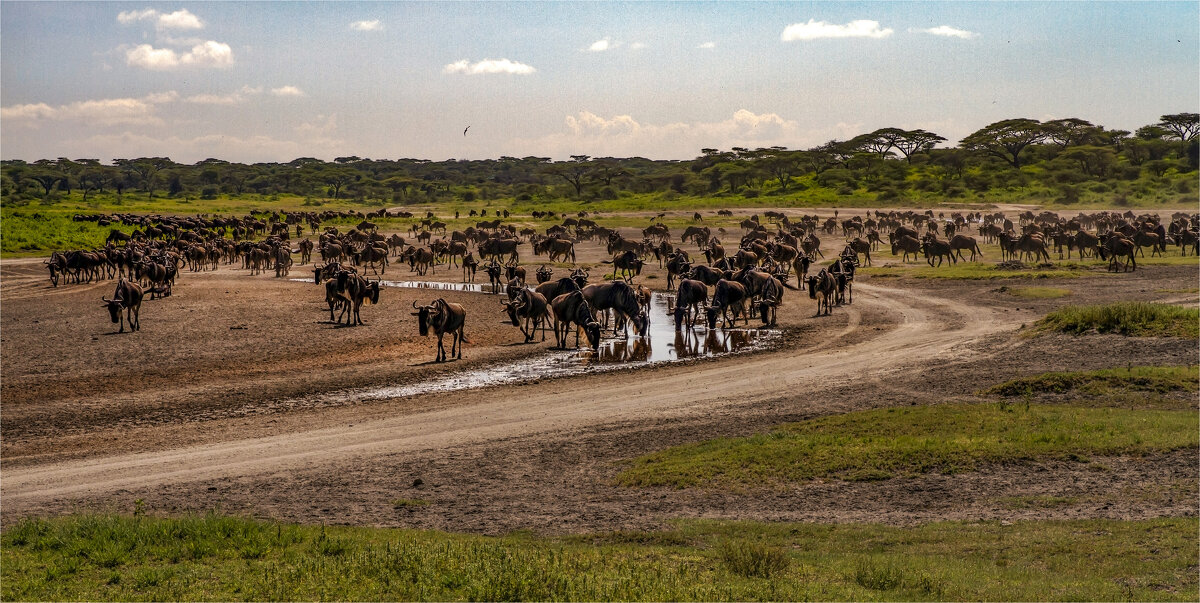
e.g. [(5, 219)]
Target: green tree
[(1184, 126), (1006, 139)]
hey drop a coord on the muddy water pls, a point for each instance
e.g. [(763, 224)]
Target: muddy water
[(660, 343)]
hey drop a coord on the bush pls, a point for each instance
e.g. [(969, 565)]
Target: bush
[(753, 560), (1068, 195), (209, 193), (751, 193), (845, 190)]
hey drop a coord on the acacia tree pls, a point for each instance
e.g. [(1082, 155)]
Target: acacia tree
[(1071, 131), (909, 142), (1183, 125), (145, 169), (1006, 139), (574, 171)]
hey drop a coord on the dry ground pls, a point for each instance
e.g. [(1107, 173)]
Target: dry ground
[(210, 406)]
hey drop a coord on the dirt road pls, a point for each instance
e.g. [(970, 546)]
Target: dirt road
[(929, 328)]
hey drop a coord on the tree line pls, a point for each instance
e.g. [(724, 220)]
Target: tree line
[(1059, 155)]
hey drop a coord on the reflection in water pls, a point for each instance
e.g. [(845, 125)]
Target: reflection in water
[(661, 343)]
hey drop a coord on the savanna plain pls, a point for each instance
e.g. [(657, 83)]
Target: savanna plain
[(1009, 428)]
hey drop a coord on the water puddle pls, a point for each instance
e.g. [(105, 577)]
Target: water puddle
[(660, 343)]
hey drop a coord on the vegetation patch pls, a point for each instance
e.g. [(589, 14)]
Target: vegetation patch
[(893, 442), (1036, 292), (1137, 386), (211, 557), (977, 271), (1138, 319), (409, 503)]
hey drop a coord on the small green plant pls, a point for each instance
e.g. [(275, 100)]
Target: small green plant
[(1137, 319)]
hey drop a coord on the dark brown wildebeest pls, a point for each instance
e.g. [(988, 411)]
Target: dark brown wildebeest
[(677, 265), (801, 266), (1085, 242), (283, 261), (365, 225), (745, 258), (628, 263), (572, 308), (698, 234), (331, 252), (494, 248), (396, 244), (355, 290), (621, 298), (728, 301), (306, 249), (555, 288), (907, 244), (515, 273), (1115, 246), (706, 274), (469, 265), (444, 317), (494, 272), (531, 306), (934, 247), (960, 242), (859, 245), (691, 297), (543, 274), (422, 260), (822, 287), (769, 298), (561, 249), (128, 297), (714, 252), (1151, 240), (812, 246)]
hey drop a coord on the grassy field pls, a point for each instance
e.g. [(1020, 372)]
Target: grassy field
[(107, 557), (1133, 387), (1138, 319), (894, 442)]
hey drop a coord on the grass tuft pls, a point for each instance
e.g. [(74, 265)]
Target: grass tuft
[(750, 559), (1135, 386), (1138, 319)]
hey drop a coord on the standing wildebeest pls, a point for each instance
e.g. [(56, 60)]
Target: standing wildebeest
[(572, 308), (469, 265), (444, 317), (728, 301), (677, 265), (128, 296), (801, 266), (533, 308), (908, 244), (306, 249), (769, 298), (691, 297), (824, 286), (934, 247), (621, 298), (494, 271), (355, 290), (1116, 246), (628, 263), (960, 242), (862, 246), (543, 274)]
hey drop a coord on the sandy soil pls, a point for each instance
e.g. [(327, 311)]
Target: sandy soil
[(211, 405)]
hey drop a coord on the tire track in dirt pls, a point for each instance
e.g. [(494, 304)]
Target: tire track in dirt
[(929, 328)]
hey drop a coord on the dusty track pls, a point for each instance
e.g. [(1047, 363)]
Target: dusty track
[(929, 328)]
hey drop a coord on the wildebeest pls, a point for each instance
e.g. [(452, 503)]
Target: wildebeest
[(691, 297), (572, 308), (494, 248), (128, 297), (494, 272), (543, 274), (355, 290), (728, 301), (622, 299), (469, 265), (821, 287), (444, 317), (960, 242), (934, 247), (628, 263), (769, 299), (1116, 246), (306, 249), (533, 308), (909, 245)]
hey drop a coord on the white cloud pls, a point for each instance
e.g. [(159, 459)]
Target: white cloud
[(637, 46), (102, 112), (488, 66), (624, 136), (215, 99), (372, 25), (948, 31), (287, 91), (602, 45), (180, 19), (863, 28), (707, 45), (206, 54)]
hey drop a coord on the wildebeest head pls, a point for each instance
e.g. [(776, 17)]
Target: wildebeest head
[(592, 329), (373, 291), (812, 286), (512, 308), (711, 313), (114, 308), (680, 313), (422, 313)]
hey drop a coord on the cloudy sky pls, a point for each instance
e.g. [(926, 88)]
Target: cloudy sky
[(274, 81)]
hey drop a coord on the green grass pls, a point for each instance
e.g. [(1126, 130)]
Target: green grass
[(403, 503), (212, 557), (895, 442), (1137, 387), (1036, 292), (39, 233), (1138, 319)]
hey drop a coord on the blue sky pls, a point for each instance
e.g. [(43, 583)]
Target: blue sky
[(275, 81)]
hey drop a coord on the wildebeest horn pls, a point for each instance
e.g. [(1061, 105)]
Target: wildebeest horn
[(414, 305)]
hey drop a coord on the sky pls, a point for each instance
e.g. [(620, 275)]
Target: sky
[(273, 81)]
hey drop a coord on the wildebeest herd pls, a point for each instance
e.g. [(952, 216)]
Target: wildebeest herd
[(728, 284)]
